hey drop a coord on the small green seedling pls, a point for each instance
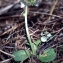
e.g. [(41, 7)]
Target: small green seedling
[(21, 55)]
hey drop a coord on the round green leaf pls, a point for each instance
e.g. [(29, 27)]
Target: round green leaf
[(21, 55), (48, 55)]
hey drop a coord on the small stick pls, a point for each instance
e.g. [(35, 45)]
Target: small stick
[(7, 53), (34, 32), (5, 60), (13, 28), (51, 15), (4, 10), (52, 9)]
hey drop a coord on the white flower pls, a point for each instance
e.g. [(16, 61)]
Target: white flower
[(43, 39), (22, 5), (49, 35)]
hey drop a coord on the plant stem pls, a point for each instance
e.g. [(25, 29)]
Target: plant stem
[(27, 31)]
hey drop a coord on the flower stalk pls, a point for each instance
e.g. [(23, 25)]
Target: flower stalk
[(27, 30)]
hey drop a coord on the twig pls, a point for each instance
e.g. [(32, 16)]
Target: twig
[(4, 10), (52, 9), (60, 60), (7, 53), (34, 32), (7, 17), (5, 60), (13, 28), (46, 14)]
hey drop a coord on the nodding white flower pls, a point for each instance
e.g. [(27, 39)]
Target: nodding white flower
[(37, 5), (49, 35), (44, 39), (22, 5)]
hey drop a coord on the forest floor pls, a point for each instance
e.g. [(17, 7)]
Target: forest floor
[(40, 18)]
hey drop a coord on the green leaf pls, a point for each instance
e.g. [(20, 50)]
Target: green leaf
[(23, 13), (27, 43), (48, 55), (21, 55), (37, 42), (34, 48)]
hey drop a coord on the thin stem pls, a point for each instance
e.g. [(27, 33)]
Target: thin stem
[(52, 9), (5, 61), (7, 53), (27, 31)]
